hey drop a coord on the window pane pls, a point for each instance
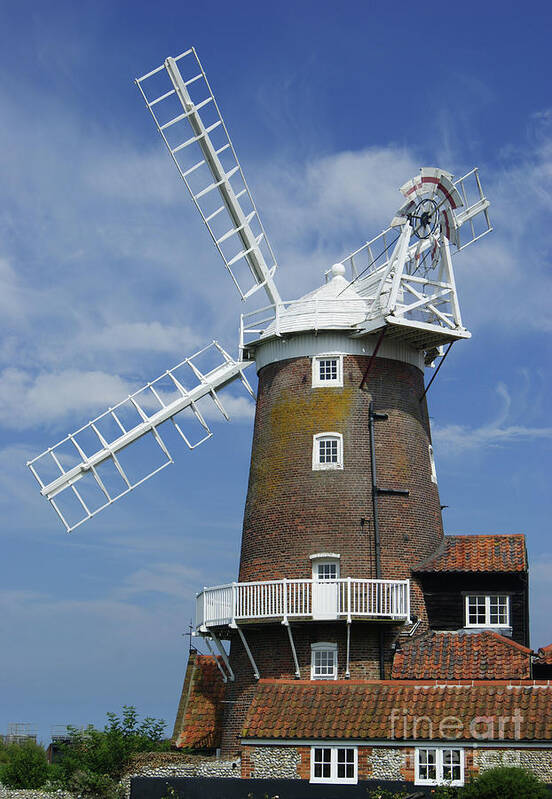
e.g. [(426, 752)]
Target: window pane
[(476, 610), (327, 571), (345, 764), (328, 369), (328, 450), (427, 760), (322, 762), (498, 610), (451, 765), (324, 661)]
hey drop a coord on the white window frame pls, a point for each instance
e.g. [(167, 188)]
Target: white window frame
[(325, 560), (324, 646), (432, 465), (439, 765), (317, 382), (333, 778), (487, 622), (316, 439)]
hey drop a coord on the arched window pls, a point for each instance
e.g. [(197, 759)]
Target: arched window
[(323, 661), (327, 451)]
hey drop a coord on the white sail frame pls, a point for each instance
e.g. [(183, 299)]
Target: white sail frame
[(109, 449), (241, 219)]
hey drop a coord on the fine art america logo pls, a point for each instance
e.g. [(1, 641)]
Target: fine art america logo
[(404, 725)]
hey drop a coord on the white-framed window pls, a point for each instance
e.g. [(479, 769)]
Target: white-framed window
[(325, 569), (436, 765), (334, 764), (323, 661), (487, 610), (327, 370), (327, 451), (432, 464)]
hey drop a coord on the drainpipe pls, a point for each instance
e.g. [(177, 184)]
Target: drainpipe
[(376, 492)]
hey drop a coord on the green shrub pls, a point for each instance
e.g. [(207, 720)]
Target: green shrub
[(106, 752), (445, 792), (24, 766), (88, 785), (505, 782)]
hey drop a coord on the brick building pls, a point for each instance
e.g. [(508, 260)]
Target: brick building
[(366, 647)]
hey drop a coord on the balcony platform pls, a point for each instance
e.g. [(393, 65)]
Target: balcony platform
[(347, 599)]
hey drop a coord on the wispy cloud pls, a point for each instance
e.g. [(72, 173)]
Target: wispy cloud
[(169, 579), (454, 438)]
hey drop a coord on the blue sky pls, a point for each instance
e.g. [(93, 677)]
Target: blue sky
[(107, 278)]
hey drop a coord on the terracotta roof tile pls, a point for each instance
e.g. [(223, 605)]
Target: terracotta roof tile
[(545, 655), (393, 710), (477, 553), (200, 710), (462, 655)]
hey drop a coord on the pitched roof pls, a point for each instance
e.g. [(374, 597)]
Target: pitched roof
[(198, 718), (396, 710), (462, 655), (477, 553)]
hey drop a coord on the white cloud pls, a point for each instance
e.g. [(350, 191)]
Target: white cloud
[(27, 401), (454, 438), (142, 336)]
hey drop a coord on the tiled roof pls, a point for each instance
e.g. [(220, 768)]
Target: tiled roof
[(396, 710), (545, 655), (477, 553), (462, 655), (197, 723)]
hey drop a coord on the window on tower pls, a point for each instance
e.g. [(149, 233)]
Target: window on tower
[(487, 610), (327, 451), (324, 661), (327, 370)]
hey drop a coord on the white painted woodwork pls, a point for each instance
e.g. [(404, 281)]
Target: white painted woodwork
[(284, 599)]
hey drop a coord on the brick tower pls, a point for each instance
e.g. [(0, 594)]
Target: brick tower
[(342, 503)]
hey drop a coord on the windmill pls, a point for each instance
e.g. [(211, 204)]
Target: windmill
[(399, 284)]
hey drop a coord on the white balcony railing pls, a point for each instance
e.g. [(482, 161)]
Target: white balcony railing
[(303, 599)]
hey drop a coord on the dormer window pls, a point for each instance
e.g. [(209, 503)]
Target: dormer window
[(487, 610), (327, 451), (327, 370)]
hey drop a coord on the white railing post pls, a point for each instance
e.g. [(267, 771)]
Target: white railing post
[(285, 604), (348, 605), (233, 608), (407, 590)]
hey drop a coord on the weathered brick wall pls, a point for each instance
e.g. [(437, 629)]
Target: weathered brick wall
[(293, 511)]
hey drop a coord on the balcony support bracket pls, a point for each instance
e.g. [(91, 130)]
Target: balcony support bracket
[(249, 655), (217, 661), (293, 652), (347, 672), (224, 656)]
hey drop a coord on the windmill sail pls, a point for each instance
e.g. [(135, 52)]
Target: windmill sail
[(101, 462), (198, 141)]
